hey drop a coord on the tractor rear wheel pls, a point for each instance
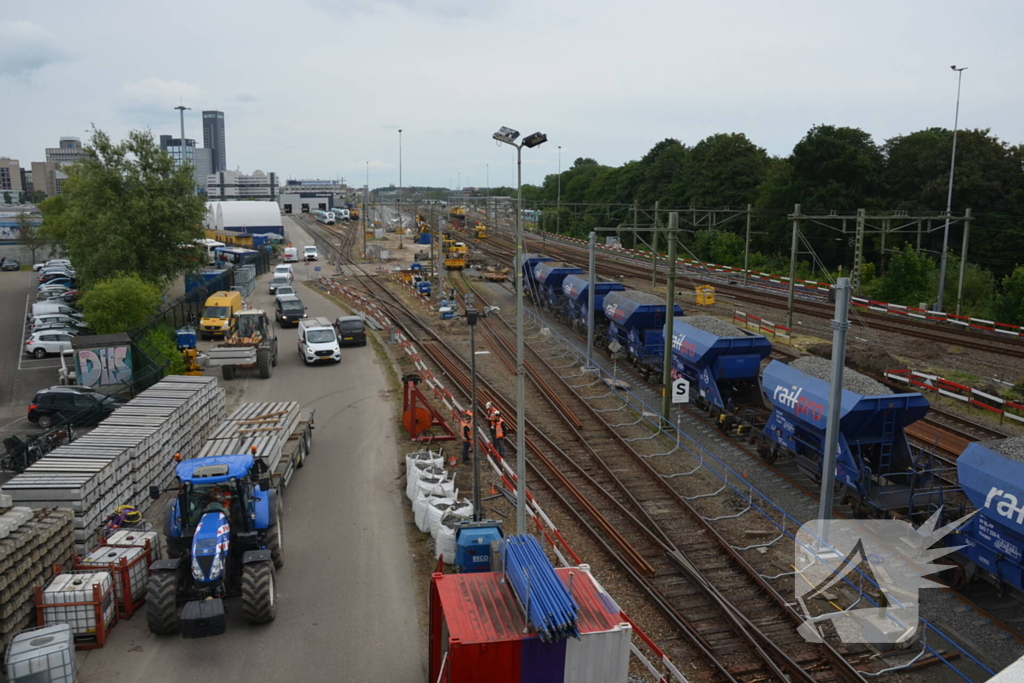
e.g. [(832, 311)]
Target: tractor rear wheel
[(259, 592), (263, 360), (228, 371), (161, 602)]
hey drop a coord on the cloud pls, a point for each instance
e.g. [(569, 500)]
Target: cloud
[(27, 47), (245, 96), (152, 95)]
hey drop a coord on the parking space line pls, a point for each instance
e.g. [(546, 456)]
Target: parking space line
[(24, 331)]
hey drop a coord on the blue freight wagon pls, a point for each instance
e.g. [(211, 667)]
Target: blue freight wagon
[(722, 370), (636, 323), (576, 292), (549, 276), (994, 537), (873, 461), (530, 262)]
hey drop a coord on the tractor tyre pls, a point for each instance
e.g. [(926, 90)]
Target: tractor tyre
[(228, 371), (302, 454), (161, 602), (275, 539), (263, 361), (259, 592)]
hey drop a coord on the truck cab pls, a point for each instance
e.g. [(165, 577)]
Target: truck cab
[(318, 341)]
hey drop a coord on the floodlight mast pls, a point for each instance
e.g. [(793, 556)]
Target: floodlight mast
[(508, 136)]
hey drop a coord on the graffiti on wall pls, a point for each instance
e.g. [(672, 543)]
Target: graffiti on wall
[(9, 233), (104, 367)]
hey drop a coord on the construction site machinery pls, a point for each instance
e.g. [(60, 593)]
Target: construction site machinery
[(457, 213), (252, 344), (228, 517), (481, 231), (455, 254), (186, 337), (223, 528)]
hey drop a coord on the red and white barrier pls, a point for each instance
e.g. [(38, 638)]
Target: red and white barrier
[(959, 392), (761, 325)]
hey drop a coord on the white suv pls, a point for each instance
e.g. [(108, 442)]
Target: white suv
[(318, 341), (39, 344)]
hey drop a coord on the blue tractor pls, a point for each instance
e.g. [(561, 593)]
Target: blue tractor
[(223, 534)]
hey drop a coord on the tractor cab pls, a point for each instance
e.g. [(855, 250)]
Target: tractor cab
[(251, 325)]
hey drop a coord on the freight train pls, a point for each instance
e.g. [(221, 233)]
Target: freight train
[(783, 410)]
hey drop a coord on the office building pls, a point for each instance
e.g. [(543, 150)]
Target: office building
[(47, 177), (69, 151), (303, 196), (204, 166), (213, 139), (10, 178), (197, 157), (233, 186)]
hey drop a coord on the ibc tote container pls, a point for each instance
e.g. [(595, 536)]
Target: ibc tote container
[(69, 600), (42, 655), (476, 634)]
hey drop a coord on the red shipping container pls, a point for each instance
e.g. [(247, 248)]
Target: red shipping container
[(478, 634)]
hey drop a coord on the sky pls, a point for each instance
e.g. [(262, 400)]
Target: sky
[(318, 88)]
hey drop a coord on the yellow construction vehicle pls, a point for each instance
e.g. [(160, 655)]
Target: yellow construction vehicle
[(455, 254), (457, 213), (481, 231)]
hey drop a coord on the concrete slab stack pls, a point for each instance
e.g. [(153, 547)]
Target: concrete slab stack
[(267, 426), (33, 541), (117, 462)]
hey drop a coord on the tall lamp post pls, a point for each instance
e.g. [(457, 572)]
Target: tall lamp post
[(949, 195), (401, 220), (508, 136), (472, 316), (558, 215), (181, 110)]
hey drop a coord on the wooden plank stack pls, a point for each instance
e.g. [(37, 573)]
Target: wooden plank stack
[(117, 462)]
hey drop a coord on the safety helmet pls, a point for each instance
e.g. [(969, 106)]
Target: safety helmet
[(487, 405)]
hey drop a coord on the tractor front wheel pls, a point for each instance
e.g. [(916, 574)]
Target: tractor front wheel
[(263, 361), (161, 602), (259, 592)]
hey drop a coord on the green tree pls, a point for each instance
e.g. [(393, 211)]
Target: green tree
[(32, 236), (7, 198), (723, 170), (120, 303), (1009, 304), (910, 279), (979, 288), (128, 209), (36, 196)]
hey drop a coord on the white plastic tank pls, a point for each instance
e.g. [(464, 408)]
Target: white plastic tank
[(137, 569), (137, 539), (69, 588), (42, 655)]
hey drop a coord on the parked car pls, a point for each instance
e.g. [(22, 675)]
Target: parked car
[(61, 327), (71, 403), (58, 270), (56, 318), (66, 281), (279, 282), (289, 310), (9, 264), (351, 330), (284, 270), (52, 262), (44, 342), (48, 307), (49, 291)]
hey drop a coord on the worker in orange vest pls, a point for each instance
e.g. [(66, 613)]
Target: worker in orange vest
[(467, 434), (490, 410), (498, 430)]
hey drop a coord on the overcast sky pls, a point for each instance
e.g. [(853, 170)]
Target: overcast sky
[(316, 88)]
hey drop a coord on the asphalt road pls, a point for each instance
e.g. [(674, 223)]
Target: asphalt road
[(346, 597)]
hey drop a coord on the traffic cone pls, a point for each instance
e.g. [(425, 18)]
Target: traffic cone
[(494, 491), (451, 460)]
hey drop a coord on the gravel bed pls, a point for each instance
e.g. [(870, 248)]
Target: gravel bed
[(1012, 448), (711, 324), (640, 297), (852, 380)]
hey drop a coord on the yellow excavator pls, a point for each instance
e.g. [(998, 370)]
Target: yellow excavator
[(481, 231)]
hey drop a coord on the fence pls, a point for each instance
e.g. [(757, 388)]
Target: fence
[(960, 392)]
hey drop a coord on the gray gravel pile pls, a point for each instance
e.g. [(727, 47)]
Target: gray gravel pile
[(642, 297), (711, 324), (1011, 448), (852, 380)]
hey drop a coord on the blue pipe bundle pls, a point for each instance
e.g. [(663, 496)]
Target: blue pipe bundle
[(549, 605)]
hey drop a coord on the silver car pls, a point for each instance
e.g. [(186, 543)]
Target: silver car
[(40, 344), (279, 282)]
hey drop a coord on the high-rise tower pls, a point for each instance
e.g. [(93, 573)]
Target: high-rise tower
[(213, 139)]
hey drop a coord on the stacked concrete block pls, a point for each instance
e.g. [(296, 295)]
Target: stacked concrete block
[(117, 462), (265, 426), (31, 547)]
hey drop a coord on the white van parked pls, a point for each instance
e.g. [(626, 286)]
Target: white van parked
[(291, 255), (52, 308), (318, 341)]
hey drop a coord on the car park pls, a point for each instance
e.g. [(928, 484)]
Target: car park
[(9, 264), (44, 342), (52, 405), (284, 270), (289, 310), (286, 290), (277, 281), (351, 330)]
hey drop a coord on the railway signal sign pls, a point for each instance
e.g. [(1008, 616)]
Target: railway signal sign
[(681, 391)]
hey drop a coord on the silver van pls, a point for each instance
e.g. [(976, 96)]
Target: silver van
[(52, 308)]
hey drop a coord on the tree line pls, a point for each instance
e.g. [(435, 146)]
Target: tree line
[(833, 168)]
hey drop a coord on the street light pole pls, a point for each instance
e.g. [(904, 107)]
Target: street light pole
[(949, 195), (558, 214), (401, 220), (471, 318), (181, 148), (508, 136)]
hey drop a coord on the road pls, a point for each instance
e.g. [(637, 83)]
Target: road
[(347, 600)]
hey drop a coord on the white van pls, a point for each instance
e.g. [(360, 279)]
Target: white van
[(284, 270), (309, 253), (318, 341), (51, 308), (291, 255)]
